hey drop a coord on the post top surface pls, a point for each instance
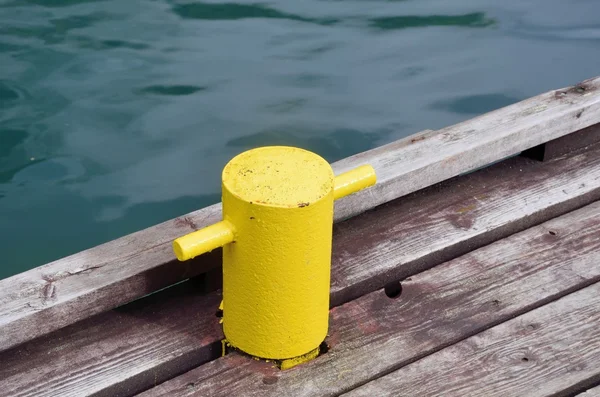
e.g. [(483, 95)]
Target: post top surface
[(279, 176)]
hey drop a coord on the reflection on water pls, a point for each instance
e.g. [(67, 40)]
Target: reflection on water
[(172, 89), (117, 115), (342, 142), (92, 44), (11, 139), (7, 94), (233, 11), (476, 19), (49, 3), (475, 104), (55, 30)]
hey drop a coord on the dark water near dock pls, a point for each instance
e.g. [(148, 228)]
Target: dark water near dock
[(117, 115)]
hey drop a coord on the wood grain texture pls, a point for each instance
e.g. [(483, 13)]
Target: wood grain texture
[(47, 298), (375, 335), (452, 218), (416, 162), (120, 352), (551, 351), (63, 292), (398, 239)]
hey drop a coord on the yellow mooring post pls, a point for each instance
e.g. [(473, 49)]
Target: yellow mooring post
[(276, 236)]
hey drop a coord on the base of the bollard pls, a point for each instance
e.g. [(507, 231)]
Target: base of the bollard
[(292, 362), (284, 364)]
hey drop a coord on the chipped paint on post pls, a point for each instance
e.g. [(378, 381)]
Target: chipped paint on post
[(276, 235)]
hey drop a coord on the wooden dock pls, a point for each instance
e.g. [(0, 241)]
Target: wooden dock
[(472, 268)]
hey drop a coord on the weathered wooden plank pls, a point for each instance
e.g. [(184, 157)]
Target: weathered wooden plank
[(414, 163), (120, 352), (65, 291), (594, 392), (551, 351), (564, 145), (375, 335), (52, 296), (452, 218), (398, 239)]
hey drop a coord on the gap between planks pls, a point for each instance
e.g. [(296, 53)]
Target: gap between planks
[(407, 236), (374, 335), (60, 293)]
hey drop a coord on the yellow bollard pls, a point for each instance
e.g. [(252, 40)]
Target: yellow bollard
[(276, 236)]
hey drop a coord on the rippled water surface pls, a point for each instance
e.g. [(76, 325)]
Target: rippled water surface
[(116, 115)]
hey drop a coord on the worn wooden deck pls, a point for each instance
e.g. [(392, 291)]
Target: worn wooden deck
[(472, 268)]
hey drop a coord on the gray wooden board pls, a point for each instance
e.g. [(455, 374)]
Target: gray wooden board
[(52, 296), (457, 216), (47, 298), (120, 352), (413, 163), (409, 235), (375, 335), (551, 351)]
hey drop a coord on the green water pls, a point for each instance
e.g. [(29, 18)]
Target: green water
[(116, 115)]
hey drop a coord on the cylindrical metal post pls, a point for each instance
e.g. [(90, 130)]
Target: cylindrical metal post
[(276, 275), (278, 216)]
